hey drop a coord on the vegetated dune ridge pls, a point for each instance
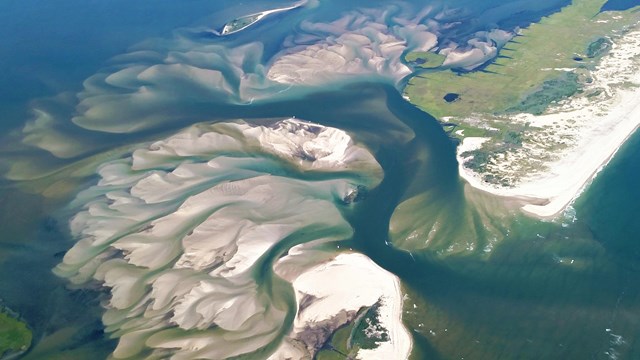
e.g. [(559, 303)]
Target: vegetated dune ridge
[(590, 129), (185, 232)]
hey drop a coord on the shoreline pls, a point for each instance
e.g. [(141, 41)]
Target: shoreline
[(228, 28), (329, 293), (598, 129)]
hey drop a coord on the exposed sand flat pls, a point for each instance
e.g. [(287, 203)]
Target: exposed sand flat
[(477, 51), (177, 233), (361, 43), (589, 130), (350, 55), (345, 284)]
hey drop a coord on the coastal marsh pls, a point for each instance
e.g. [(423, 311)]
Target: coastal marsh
[(524, 64)]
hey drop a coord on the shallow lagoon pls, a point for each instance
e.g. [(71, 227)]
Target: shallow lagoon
[(520, 289)]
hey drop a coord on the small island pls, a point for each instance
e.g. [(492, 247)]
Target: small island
[(15, 336), (245, 21)]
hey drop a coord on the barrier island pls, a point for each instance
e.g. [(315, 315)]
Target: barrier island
[(550, 110)]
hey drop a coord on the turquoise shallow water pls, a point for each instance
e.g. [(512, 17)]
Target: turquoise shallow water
[(543, 290)]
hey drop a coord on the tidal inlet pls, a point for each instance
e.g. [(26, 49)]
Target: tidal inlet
[(320, 179)]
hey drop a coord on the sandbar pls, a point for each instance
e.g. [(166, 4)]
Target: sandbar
[(347, 283), (244, 22)]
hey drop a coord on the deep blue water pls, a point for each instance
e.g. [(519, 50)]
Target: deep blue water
[(620, 5)]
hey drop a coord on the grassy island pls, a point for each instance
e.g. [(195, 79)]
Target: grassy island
[(364, 332), (241, 23), (245, 21), (15, 336)]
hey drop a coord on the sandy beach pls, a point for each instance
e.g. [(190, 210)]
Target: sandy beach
[(591, 131), (329, 293)]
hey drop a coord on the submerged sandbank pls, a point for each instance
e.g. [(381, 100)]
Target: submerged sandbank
[(590, 129)]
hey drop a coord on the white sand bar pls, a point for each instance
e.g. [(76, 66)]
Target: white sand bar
[(344, 284), (176, 231), (592, 128)]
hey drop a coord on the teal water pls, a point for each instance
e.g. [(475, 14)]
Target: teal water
[(543, 290)]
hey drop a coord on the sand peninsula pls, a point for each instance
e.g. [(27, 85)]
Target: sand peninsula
[(540, 121), (245, 21)]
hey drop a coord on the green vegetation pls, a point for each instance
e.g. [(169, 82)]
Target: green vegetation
[(425, 59), (479, 158), (15, 336), (598, 47), (240, 23), (338, 347), (544, 64), (368, 332), (536, 56), (364, 332), (551, 91)]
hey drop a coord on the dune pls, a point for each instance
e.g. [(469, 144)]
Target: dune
[(590, 128), (245, 21), (184, 77)]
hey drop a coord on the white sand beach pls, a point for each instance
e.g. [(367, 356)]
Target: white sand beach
[(591, 130), (176, 231), (248, 20), (330, 292)]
